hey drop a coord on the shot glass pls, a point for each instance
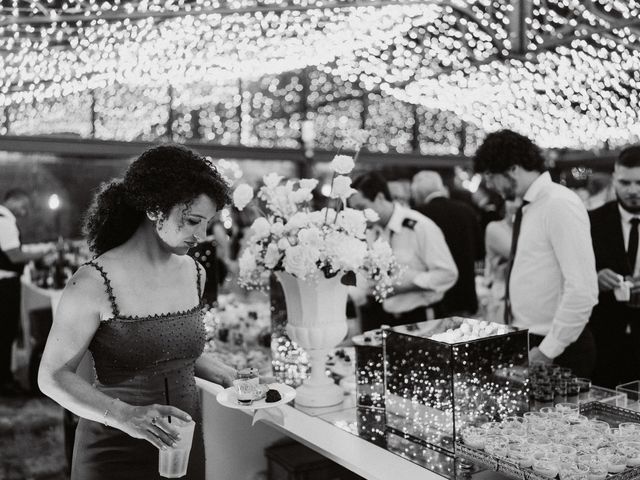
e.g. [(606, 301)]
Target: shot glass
[(568, 410)]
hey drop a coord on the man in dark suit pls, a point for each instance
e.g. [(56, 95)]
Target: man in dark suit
[(461, 230), (614, 231)]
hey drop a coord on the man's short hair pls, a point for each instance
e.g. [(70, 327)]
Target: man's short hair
[(16, 194), (371, 184), (503, 149), (629, 157)]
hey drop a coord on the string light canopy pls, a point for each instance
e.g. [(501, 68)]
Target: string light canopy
[(565, 72)]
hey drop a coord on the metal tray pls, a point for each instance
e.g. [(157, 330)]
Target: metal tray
[(596, 410)]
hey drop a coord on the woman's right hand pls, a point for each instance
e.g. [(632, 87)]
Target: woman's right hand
[(150, 423)]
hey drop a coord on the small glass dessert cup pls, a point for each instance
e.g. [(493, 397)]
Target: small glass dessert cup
[(545, 464), (631, 451), (520, 454), (574, 471), (616, 462), (496, 445), (568, 410), (599, 426), (565, 452), (474, 437), (541, 443), (597, 467), (550, 412), (532, 417), (492, 427), (629, 428)]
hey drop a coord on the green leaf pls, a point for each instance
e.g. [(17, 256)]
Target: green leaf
[(349, 279)]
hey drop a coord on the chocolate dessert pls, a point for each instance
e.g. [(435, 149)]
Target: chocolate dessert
[(273, 396)]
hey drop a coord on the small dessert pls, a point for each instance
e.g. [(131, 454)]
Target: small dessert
[(273, 396)]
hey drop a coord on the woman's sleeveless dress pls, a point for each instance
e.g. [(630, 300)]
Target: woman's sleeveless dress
[(132, 357)]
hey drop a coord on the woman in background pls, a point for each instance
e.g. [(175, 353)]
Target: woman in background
[(137, 308)]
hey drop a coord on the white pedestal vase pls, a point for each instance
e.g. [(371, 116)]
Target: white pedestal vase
[(316, 317)]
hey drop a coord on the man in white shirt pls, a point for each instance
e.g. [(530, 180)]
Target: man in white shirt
[(552, 285), (418, 245), (614, 230), (12, 259)]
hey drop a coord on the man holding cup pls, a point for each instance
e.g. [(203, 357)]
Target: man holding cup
[(614, 231)]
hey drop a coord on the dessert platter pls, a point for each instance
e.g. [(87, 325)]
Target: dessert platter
[(266, 396)]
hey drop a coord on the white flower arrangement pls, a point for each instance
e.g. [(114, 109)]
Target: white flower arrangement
[(309, 244)]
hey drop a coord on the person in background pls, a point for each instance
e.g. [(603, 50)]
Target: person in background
[(137, 308), (210, 253), (552, 285), (497, 241), (418, 245), (17, 204), (461, 230), (599, 190), (614, 231), (400, 191)]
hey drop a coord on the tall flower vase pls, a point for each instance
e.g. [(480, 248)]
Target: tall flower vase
[(316, 313)]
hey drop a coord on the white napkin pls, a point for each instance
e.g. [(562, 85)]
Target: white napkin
[(274, 415)]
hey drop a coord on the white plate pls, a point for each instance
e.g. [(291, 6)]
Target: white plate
[(229, 398)]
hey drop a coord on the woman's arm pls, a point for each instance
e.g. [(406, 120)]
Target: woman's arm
[(207, 366), (75, 323)]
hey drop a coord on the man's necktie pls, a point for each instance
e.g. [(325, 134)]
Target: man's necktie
[(517, 221), (632, 248)]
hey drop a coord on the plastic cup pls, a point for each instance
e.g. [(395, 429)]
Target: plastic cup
[(173, 461)]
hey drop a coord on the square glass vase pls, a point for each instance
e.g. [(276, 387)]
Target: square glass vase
[(434, 389)]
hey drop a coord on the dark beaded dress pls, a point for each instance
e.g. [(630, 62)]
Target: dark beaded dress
[(132, 357)]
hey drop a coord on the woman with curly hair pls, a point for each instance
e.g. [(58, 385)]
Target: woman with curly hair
[(136, 307)]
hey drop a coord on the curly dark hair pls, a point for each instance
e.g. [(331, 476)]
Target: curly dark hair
[(156, 181), (629, 157), (503, 149)]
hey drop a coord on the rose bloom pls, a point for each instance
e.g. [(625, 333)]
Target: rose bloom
[(242, 195), (342, 164), (352, 221), (260, 227), (309, 183), (301, 261), (371, 215), (247, 262), (341, 188), (311, 237)]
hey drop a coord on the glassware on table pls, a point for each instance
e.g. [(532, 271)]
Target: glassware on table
[(632, 391), (631, 450), (474, 437), (540, 443), (520, 454), (599, 426), (584, 384), (496, 445), (173, 461), (547, 411), (545, 464), (629, 428), (567, 409), (574, 471)]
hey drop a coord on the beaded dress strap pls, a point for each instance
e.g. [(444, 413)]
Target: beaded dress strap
[(109, 288)]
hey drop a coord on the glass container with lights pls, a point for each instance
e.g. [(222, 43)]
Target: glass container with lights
[(443, 375)]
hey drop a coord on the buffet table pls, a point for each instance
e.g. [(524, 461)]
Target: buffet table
[(235, 448)]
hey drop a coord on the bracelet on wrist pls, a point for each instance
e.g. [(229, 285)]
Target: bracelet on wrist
[(107, 413)]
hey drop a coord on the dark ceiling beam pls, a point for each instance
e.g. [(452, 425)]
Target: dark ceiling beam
[(91, 149)]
